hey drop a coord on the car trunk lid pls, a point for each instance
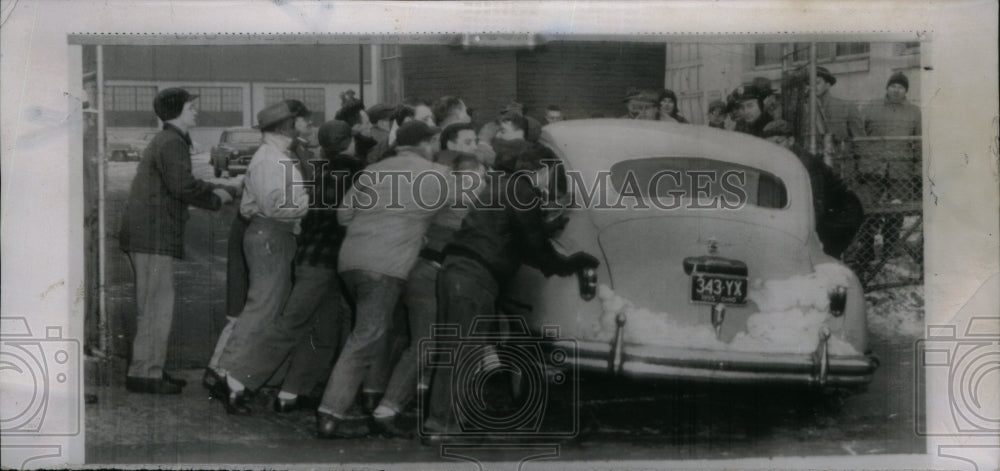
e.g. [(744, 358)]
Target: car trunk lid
[(654, 260)]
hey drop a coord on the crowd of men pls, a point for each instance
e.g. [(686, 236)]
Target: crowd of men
[(335, 274), (882, 171), (330, 287)]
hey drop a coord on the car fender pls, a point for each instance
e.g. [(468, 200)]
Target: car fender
[(852, 326), (557, 300)]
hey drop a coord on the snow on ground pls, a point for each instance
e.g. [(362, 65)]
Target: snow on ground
[(896, 312), (792, 313)]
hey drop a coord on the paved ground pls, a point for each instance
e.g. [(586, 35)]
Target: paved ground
[(618, 419)]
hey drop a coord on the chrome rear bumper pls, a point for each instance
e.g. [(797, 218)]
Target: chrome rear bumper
[(816, 368)]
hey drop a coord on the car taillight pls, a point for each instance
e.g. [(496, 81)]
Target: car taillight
[(588, 283), (838, 300)]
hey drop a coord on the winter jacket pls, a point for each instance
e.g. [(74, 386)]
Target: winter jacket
[(507, 228), (319, 242), (895, 159), (755, 128), (507, 152), (838, 115), (161, 191), (381, 148), (387, 216)]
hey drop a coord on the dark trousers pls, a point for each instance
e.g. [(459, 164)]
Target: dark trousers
[(308, 329), (237, 277), (466, 290), (312, 359), (237, 284)]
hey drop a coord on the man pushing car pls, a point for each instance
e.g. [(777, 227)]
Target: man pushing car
[(505, 228)]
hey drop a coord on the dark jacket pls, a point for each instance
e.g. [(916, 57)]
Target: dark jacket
[(447, 157), (161, 192), (505, 229), (838, 210), (507, 152), (755, 128), (319, 241), (381, 148)]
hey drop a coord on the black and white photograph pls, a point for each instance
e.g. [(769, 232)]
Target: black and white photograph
[(535, 248)]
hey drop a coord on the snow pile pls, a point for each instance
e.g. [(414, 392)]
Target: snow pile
[(802, 291), (896, 312), (791, 314), (652, 328)]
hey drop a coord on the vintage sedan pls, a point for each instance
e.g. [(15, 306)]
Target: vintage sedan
[(235, 149), (711, 268)]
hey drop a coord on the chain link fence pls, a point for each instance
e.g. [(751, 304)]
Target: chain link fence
[(885, 173)]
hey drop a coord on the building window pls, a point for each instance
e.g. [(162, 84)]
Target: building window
[(314, 99), (771, 54), (851, 49), (132, 106), (219, 107), (907, 48), (129, 106)]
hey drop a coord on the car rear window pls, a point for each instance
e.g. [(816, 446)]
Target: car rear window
[(243, 137), (666, 177)]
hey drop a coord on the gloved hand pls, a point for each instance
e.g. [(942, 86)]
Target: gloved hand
[(223, 195), (582, 260)]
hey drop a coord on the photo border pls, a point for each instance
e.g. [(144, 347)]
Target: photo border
[(43, 275)]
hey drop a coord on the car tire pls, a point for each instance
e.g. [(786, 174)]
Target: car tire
[(231, 173), (117, 156)]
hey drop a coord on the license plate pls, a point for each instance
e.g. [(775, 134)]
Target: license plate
[(713, 288)]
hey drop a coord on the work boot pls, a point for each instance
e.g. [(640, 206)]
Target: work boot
[(328, 426)]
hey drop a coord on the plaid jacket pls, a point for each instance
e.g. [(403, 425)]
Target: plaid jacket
[(319, 241)]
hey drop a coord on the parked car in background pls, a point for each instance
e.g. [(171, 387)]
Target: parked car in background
[(711, 269), (128, 148), (235, 149)]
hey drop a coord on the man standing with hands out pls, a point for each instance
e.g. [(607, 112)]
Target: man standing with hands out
[(152, 234)]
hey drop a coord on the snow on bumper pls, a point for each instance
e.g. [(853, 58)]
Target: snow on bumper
[(787, 340)]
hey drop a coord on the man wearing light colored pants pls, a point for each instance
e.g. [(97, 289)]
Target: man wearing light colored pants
[(154, 292), (152, 233), (275, 205)]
